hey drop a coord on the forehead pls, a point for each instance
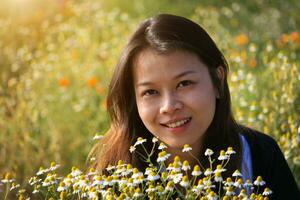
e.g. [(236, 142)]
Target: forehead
[(149, 63)]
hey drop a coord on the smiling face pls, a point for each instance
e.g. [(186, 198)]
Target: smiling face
[(175, 96)]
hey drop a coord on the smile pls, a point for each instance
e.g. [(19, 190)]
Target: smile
[(178, 123)]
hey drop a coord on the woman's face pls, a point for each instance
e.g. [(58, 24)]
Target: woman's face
[(175, 96)]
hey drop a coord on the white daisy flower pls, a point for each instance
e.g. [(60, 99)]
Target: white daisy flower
[(238, 183), (219, 169), (237, 173), (218, 177), (230, 151), (186, 148), (229, 191), (154, 140), (208, 152), (185, 182), (170, 186), (223, 156), (196, 171), (153, 176), (185, 166), (163, 156), (62, 187), (259, 181), (97, 136), (177, 178), (228, 182), (132, 149), (139, 141), (14, 186), (53, 166), (137, 193), (151, 188), (208, 172), (162, 146), (267, 192), (212, 196)]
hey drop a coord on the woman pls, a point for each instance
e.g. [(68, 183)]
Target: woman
[(171, 82)]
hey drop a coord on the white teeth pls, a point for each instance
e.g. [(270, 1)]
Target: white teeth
[(176, 124)]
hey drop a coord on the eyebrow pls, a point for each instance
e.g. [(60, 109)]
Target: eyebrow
[(175, 77)]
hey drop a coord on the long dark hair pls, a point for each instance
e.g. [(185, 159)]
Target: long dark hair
[(164, 33)]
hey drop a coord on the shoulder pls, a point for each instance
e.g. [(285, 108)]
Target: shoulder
[(268, 161), (259, 141)]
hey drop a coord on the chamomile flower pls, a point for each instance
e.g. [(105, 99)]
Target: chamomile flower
[(162, 146), (242, 194), (34, 180), (163, 156), (186, 148), (177, 178), (228, 182), (185, 166), (219, 169), (230, 151), (208, 152), (237, 173), (75, 172), (170, 186), (267, 192), (248, 183), (14, 186), (229, 191), (196, 171), (208, 172), (41, 171), (259, 181), (97, 180), (138, 193), (154, 140), (200, 185), (92, 172), (97, 136), (110, 167), (139, 141), (223, 156), (176, 167), (62, 187), (136, 173), (53, 166), (185, 182), (132, 149), (218, 177), (151, 188), (153, 176), (238, 183), (212, 196)]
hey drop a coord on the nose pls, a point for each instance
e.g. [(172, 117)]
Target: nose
[(170, 103)]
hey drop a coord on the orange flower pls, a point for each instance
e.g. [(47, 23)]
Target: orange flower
[(283, 39), (100, 90), (241, 39), (92, 82), (252, 63), (294, 36), (63, 82)]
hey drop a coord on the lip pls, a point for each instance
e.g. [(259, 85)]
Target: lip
[(178, 130), (175, 120)]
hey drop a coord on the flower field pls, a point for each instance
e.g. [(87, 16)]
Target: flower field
[(56, 58)]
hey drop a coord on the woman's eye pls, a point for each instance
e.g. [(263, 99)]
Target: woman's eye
[(149, 92), (184, 83)]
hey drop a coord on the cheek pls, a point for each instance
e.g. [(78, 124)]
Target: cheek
[(147, 112)]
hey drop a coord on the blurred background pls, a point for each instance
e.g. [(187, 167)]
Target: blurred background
[(57, 56)]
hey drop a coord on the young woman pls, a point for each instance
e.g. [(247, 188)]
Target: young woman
[(171, 83)]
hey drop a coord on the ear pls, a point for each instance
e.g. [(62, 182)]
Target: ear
[(221, 76)]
